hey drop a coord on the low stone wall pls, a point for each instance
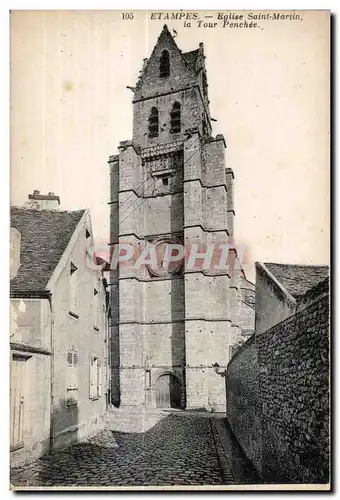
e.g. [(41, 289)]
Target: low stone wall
[(243, 399), (278, 397)]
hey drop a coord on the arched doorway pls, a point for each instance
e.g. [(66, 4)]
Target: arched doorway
[(168, 391)]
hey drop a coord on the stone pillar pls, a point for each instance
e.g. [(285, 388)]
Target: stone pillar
[(207, 315), (130, 283), (114, 286)]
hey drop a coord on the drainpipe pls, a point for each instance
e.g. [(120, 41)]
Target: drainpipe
[(106, 343), (52, 375)]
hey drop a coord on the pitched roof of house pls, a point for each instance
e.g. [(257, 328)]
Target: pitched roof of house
[(44, 237), (297, 279)]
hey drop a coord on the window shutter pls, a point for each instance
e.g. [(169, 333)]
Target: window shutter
[(91, 378), (95, 377), (72, 378), (75, 358), (100, 379), (95, 307)]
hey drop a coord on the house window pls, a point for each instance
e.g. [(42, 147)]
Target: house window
[(72, 378), (165, 181), (153, 122), (175, 118), (96, 309), (73, 288), (96, 384), (164, 66)]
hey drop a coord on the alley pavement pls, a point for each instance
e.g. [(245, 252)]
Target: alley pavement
[(161, 449)]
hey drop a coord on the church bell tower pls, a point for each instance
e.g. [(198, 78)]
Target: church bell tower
[(169, 183)]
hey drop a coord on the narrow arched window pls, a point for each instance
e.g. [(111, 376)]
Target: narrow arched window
[(153, 122), (205, 84), (204, 128), (175, 118), (164, 66)]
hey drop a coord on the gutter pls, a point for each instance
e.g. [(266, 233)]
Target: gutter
[(26, 348), (30, 294)]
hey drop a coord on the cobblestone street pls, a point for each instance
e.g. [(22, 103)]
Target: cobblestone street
[(176, 448)]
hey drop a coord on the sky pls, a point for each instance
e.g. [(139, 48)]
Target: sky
[(268, 91)]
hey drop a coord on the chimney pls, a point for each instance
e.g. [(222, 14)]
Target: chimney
[(39, 201)]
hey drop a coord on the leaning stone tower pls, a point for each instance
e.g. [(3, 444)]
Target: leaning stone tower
[(169, 183)]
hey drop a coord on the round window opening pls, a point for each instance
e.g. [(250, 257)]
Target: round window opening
[(169, 258)]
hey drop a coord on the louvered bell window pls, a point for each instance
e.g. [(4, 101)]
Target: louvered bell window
[(153, 122), (164, 64), (175, 118)]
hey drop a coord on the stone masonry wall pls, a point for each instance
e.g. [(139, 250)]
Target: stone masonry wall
[(191, 113), (286, 389), (244, 415)]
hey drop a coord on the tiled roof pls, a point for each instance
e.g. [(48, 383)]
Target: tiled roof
[(315, 292), (44, 238), (297, 279), (191, 57)]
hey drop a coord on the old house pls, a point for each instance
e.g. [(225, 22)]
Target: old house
[(170, 184), (279, 288), (58, 334)]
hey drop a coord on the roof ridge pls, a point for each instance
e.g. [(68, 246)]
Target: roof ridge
[(295, 265), (48, 210)]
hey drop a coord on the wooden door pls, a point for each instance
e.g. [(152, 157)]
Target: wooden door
[(168, 392), (17, 401), (163, 391)]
